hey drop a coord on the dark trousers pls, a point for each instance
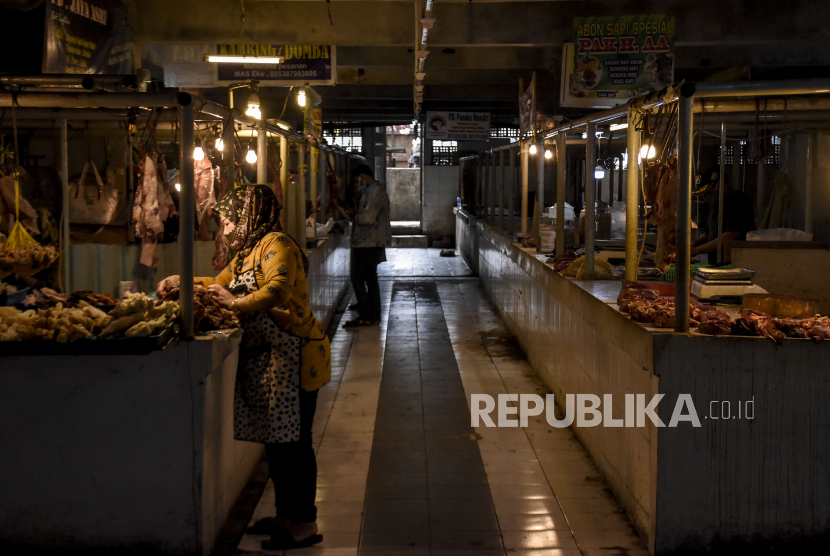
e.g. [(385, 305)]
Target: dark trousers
[(293, 468), (364, 273)]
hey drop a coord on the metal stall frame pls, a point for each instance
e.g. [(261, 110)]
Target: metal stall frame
[(728, 101), (189, 104)]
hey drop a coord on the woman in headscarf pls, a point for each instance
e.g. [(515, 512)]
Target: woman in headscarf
[(284, 359)]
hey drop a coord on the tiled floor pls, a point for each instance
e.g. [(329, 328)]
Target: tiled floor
[(401, 473)]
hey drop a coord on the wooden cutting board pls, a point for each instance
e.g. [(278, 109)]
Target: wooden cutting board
[(782, 305)]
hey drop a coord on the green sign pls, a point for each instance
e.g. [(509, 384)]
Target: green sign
[(616, 55)]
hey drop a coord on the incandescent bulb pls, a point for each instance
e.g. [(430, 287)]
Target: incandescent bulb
[(647, 151), (599, 173), (198, 153), (178, 186), (548, 154), (254, 111), (251, 156), (220, 145), (532, 149), (301, 97)]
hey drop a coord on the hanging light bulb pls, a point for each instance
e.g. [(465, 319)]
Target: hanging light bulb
[(532, 149), (301, 97), (253, 106), (647, 151), (251, 156), (599, 172), (548, 154), (198, 153), (178, 186), (220, 145)]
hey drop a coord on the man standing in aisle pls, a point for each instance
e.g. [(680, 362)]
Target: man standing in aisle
[(371, 235)]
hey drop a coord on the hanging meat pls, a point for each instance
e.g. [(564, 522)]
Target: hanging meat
[(655, 175), (153, 205), (203, 182), (666, 218)]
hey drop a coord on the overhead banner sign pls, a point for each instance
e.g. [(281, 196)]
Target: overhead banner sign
[(87, 36), (455, 126), (314, 64), (615, 56)]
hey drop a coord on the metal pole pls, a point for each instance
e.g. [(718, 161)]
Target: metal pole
[(65, 240), (482, 193), (501, 190), (229, 154), (261, 155), (632, 199), (810, 183), (511, 199), (492, 188), (285, 162), (324, 189), (561, 185), (525, 159), (540, 191), (762, 165), (685, 142), (313, 183), (590, 198), (299, 205), (187, 217), (721, 185)]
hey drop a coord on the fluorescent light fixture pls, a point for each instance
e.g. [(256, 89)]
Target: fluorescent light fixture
[(532, 149), (422, 54), (301, 97), (617, 127), (599, 173), (251, 156), (647, 151), (217, 59), (548, 154), (220, 145), (198, 153)]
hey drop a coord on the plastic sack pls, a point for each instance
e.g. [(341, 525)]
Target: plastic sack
[(569, 212), (779, 234), (618, 220)]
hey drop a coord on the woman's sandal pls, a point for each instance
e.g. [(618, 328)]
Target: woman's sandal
[(356, 322), (282, 540)]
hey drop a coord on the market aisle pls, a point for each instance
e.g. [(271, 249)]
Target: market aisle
[(402, 472), (421, 263)]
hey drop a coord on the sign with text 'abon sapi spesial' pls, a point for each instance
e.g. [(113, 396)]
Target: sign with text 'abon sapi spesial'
[(458, 126)]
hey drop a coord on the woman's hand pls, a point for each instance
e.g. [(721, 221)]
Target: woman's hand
[(223, 296), (169, 281)]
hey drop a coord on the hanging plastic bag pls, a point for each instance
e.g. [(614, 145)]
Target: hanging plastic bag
[(95, 204)]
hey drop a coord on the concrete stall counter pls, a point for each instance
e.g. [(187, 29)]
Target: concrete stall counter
[(731, 482), (133, 453)]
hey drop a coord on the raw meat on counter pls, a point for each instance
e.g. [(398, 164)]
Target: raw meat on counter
[(208, 314)]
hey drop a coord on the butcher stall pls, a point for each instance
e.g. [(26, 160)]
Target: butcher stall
[(735, 355), (116, 406)]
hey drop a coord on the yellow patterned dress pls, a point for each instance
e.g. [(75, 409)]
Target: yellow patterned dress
[(276, 314)]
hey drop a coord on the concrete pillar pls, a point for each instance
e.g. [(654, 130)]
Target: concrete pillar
[(525, 156)]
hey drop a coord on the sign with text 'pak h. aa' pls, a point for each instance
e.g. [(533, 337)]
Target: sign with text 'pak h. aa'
[(614, 56), (87, 37), (314, 64), (458, 126)]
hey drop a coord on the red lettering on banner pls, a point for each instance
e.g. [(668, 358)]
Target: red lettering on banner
[(661, 46), (627, 44), (584, 45)]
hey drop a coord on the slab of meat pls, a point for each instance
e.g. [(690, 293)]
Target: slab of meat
[(666, 219), (792, 328), (153, 205), (221, 253), (207, 313), (203, 178), (716, 328), (655, 175), (757, 323)]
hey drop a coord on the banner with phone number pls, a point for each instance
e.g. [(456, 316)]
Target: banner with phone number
[(617, 54), (312, 64)]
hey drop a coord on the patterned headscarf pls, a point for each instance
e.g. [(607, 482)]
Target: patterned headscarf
[(254, 210)]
